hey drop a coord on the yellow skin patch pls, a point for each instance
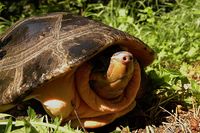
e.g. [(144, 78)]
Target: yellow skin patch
[(112, 95), (57, 96)]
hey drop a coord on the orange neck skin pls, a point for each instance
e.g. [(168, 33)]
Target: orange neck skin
[(95, 111), (72, 92)]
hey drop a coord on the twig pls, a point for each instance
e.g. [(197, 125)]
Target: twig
[(78, 118)]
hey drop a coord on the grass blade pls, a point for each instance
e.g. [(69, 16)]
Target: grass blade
[(8, 126)]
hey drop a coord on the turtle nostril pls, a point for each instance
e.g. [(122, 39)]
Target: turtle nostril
[(127, 58)]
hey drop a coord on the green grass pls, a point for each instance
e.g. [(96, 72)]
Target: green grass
[(175, 37), (33, 124), (172, 29)]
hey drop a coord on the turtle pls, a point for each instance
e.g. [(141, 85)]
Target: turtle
[(79, 69)]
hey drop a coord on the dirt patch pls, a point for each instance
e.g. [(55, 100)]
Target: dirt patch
[(165, 122)]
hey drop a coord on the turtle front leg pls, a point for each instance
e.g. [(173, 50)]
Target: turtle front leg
[(57, 96)]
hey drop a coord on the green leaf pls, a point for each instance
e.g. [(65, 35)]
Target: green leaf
[(177, 50), (192, 51), (3, 115), (31, 113), (29, 128), (122, 12), (20, 130), (19, 123), (8, 126)]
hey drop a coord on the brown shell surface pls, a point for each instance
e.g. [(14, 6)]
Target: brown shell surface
[(40, 49)]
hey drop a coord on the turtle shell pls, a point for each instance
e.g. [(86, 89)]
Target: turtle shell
[(39, 49)]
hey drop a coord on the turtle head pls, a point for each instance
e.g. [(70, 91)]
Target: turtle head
[(117, 76), (121, 65)]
